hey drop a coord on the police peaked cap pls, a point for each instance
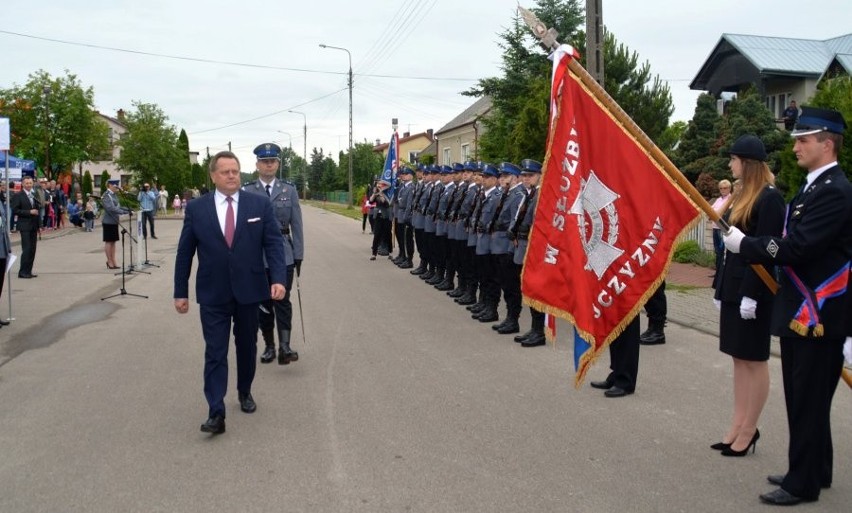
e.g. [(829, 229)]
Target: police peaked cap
[(490, 170), (446, 170), (814, 120), (530, 166), (748, 147), (268, 151), (507, 168), (458, 167), (472, 165), (406, 171)]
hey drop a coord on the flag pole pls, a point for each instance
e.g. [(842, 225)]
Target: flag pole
[(548, 39)]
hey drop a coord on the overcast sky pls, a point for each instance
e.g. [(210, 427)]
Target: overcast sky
[(411, 58)]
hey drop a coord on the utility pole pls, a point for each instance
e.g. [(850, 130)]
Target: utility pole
[(229, 145), (595, 40), (304, 151), (350, 113), (46, 90)]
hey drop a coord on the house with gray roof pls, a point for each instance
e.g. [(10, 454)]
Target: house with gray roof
[(458, 140), (782, 69)]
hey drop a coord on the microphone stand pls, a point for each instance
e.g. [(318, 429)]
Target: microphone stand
[(147, 263), (124, 270)]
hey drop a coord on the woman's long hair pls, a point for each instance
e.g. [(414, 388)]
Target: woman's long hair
[(755, 176)]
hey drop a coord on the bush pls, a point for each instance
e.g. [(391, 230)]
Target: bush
[(688, 252)]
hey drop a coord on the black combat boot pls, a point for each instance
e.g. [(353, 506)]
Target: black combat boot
[(269, 339), (497, 327), (469, 296), (285, 354), (460, 290), (429, 274), (406, 264), (654, 335), (421, 269), (489, 314)]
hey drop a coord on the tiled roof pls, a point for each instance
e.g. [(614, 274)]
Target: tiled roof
[(469, 115)]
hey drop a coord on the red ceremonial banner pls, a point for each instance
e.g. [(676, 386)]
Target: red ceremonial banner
[(607, 218)]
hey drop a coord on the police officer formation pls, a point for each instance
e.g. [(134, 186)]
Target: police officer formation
[(469, 225)]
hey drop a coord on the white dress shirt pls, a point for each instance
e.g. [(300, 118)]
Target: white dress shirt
[(222, 207)]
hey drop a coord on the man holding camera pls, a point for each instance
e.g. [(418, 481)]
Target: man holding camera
[(148, 203), (288, 214)]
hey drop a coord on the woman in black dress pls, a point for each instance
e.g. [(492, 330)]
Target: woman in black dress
[(744, 300)]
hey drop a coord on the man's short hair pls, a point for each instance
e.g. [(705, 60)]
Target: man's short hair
[(221, 155), (836, 139)]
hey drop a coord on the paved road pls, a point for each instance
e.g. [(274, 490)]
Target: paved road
[(399, 403)]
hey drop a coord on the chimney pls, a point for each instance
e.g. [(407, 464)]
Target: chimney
[(406, 134), (378, 142), (120, 115), (430, 134)]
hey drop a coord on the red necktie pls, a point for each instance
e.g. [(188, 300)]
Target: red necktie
[(229, 222)]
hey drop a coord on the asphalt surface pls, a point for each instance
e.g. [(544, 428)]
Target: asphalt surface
[(400, 402)]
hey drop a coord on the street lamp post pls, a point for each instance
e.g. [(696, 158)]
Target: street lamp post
[(46, 91), (350, 114), (304, 149), (280, 171)]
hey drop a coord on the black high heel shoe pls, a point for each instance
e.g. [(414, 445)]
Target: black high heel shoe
[(751, 445), (720, 446)]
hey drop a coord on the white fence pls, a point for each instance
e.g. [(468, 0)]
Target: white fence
[(702, 233)]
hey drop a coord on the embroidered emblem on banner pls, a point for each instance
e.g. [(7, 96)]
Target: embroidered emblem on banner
[(595, 200), (772, 248)]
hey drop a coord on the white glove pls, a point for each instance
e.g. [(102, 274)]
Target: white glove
[(718, 304), (847, 350), (733, 238), (748, 308)]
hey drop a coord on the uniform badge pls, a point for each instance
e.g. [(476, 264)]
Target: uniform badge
[(772, 248)]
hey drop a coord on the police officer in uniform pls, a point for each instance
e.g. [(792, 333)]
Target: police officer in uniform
[(491, 202), (519, 234), (404, 230), (457, 234), (418, 217), (285, 205), (508, 274)]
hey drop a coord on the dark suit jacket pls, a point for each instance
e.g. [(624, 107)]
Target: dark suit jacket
[(737, 279), (21, 207), (818, 243), (237, 273)]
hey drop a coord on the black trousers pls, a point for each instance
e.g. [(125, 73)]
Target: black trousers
[(510, 283), (429, 243), (281, 310), (408, 240), (149, 216), (657, 307), (537, 320), (381, 234), (29, 240), (422, 251), (811, 370), (487, 266), (624, 357), (440, 251)]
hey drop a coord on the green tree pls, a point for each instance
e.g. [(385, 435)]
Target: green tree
[(670, 138), (104, 180), (365, 164), (833, 93), (699, 141), (55, 117), (150, 146), (518, 123), (87, 184)]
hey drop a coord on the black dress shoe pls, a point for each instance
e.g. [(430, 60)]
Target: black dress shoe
[(247, 403), (153, 236), (782, 497), (268, 354), (617, 392), (601, 385), (24, 276), (215, 425), (509, 328), (534, 340), (4, 323), (496, 327)]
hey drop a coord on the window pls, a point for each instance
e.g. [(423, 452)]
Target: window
[(465, 152), (447, 156), (412, 156)]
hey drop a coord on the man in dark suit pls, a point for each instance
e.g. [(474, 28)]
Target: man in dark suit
[(232, 234), (25, 205), (810, 313)]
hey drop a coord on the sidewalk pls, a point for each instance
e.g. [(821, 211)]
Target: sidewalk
[(690, 298)]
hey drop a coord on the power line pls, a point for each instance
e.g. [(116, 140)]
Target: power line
[(228, 63), (270, 114)]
